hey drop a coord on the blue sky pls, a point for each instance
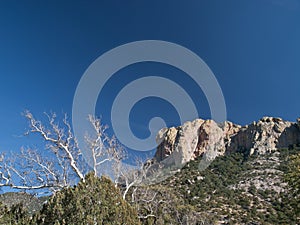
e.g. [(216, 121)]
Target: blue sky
[(252, 47)]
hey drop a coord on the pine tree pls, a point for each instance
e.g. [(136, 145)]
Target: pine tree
[(95, 201)]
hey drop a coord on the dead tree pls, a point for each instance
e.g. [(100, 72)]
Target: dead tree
[(61, 163), (104, 149)]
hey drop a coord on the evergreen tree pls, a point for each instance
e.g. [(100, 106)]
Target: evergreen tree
[(95, 201), (15, 215)]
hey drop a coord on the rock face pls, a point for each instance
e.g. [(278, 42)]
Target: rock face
[(178, 145)]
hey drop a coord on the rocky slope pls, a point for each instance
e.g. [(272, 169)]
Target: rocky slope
[(242, 189), (179, 145)]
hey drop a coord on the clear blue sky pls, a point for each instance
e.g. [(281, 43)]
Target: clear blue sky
[(252, 46)]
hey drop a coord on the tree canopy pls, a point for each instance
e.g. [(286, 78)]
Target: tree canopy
[(95, 201)]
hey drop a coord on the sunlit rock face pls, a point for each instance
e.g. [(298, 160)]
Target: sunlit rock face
[(192, 139), (264, 136), (179, 145)]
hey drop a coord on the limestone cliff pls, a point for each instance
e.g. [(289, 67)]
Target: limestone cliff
[(179, 145)]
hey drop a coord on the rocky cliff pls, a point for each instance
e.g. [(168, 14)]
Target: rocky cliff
[(179, 145)]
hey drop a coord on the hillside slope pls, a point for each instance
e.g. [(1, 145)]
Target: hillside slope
[(241, 189)]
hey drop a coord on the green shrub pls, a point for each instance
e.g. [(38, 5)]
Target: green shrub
[(15, 215), (95, 201)]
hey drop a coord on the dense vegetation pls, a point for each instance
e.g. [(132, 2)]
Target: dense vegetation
[(95, 201), (235, 189), (14, 215)]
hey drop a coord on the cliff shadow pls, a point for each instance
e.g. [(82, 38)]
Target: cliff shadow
[(289, 137)]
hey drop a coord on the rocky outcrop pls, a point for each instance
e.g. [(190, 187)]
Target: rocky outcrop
[(178, 145), (191, 140), (264, 136)]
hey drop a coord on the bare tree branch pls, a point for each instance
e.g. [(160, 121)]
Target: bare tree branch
[(104, 149), (61, 162), (57, 139), (34, 174)]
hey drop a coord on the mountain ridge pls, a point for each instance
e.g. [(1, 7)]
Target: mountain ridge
[(179, 145)]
